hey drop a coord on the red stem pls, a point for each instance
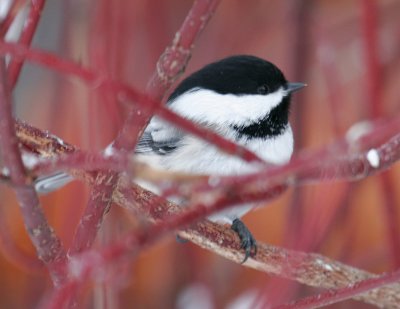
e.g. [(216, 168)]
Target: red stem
[(334, 296), (391, 212), (128, 136), (222, 200), (333, 162), (374, 97), (173, 61), (31, 23), (338, 161), (300, 34), (15, 255), (370, 35), (170, 66), (125, 92), (8, 20), (131, 243), (47, 244), (61, 298), (304, 166), (98, 205)]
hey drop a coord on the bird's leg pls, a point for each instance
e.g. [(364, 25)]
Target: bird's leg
[(248, 243)]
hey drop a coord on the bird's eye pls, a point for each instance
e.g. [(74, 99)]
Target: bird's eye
[(263, 89)]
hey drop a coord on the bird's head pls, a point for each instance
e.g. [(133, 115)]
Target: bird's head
[(246, 93)]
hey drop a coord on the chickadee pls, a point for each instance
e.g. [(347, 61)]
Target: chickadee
[(243, 98)]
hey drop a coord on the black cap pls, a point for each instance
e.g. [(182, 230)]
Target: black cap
[(239, 75)]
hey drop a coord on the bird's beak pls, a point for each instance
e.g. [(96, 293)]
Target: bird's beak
[(292, 87)]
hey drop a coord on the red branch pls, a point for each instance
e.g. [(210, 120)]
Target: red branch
[(340, 161), (335, 162), (31, 23), (371, 44), (252, 188), (170, 66), (14, 254), (129, 93), (173, 61), (8, 20), (131, 243), (47, 245), (128, 136), (333, 296), (128, 197), (370, 26), (98, 205), (388, 188)]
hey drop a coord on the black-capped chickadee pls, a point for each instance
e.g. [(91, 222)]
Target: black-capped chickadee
[(243, 98)]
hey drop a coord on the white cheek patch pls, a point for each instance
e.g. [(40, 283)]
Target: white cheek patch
[(209, 106)]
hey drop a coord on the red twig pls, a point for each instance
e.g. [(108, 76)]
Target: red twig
[(89, 262), (173, 61), (128, 136), (15, 254), (8, 20), (240, 192), (61, 297), (170, 66), (48, 246), (370, 34), (334, 93), (31, 23), (338, 161), (370, 28), (85, 161), (333, 296), (92, 218), (300, 33), (125, 92), (127, 197), (131, 242), (391, 212)]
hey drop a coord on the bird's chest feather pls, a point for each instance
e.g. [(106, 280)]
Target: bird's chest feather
[(199, 157)]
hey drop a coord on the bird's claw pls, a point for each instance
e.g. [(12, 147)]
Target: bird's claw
[(247, 241)]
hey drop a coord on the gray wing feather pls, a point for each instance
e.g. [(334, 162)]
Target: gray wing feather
[(52, 182), (159, 138)]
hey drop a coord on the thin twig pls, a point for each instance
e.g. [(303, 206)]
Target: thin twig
[(47, 244), (30, 26), (311, 269), (321, 165), (370, 27), (127, 92), (13, 253), (381, 291), (104, 187), (9, 19)]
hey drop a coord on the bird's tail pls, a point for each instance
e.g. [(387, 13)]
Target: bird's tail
[(51, 183)]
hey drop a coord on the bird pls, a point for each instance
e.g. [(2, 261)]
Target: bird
[(245, 99)]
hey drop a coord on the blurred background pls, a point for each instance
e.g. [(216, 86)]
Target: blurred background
[(348, 52)]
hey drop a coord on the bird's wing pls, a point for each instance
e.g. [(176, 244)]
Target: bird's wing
[(159, 138)]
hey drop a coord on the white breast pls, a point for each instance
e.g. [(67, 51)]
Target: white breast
[(199, 157)]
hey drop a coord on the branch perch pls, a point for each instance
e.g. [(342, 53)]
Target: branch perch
[(307, 268), (43, 237)]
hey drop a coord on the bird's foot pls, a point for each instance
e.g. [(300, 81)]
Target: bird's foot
[(247, 241)]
